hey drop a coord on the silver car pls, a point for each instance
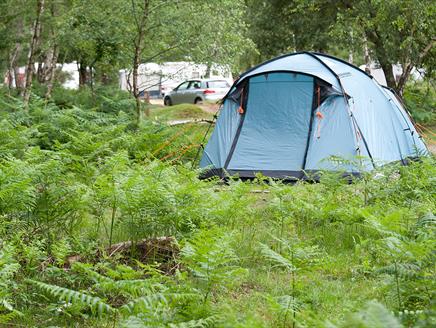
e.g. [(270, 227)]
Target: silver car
[(197, 91)]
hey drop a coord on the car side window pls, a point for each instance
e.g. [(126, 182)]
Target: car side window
[(217, 84), (194, 85), (197, 85), (183, 86)]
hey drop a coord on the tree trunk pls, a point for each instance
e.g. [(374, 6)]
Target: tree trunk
[(138, 47), (36, 34), (135, 87), (386, 66), (82, 74), (13, 58), (407, 68), (91, 82), (208, 69), (52, 72), (9, 79), (40, 68), (53, 53), (367, 58), (19, 78), (350, 56), (399, 87), (381, 55), (350, 51), (45, 65)]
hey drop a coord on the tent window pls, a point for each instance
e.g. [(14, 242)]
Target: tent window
[(238, 93), (326, 91)]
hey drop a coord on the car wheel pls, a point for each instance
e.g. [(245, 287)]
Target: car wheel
[(198, 101), (167, 101)]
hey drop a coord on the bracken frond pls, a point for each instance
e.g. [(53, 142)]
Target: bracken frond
[(96, 304)]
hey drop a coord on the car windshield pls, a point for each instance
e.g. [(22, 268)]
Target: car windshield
[(183, 86), (217, 84)]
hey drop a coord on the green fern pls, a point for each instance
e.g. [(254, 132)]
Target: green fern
[(10, 316), (96, 304), (276, 258), (199, 323), (212, 261), (295, 257), (285, 307), (8, 269)]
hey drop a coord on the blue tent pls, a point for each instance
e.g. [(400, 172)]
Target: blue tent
[(303, 112)]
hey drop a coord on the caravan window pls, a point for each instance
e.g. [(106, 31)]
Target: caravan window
[(217, 84)]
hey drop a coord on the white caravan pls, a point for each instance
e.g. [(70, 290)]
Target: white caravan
[(159, 79)]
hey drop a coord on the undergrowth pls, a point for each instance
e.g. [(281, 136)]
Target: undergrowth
[(75, 181), (420, 100)]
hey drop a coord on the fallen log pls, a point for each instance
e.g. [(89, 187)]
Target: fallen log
[(163, 250), (166, 247)]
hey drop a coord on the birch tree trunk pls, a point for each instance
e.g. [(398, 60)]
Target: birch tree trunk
[(52, 72), (40, 68), (367, 59), (14, 58), (15, 54), (135, 88), (36, 34), (51, 62)]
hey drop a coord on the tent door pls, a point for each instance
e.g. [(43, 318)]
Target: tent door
[(274, 132)]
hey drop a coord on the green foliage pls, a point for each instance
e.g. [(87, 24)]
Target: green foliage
[(299, 26), (374, 315), (81, 179), (420, 99), (103, 99), (389, 31), (295, 257), (71, 296), (133, 302), (8, 268), (212, 261), (78, 174)]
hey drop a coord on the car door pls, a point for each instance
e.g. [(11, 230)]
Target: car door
[(191, 93), (178, 94)]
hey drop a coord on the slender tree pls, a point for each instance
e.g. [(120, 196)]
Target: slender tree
[(52, 54), (138, 46), (36, 33)]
